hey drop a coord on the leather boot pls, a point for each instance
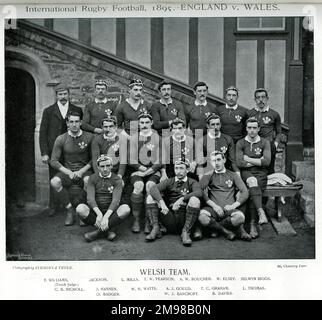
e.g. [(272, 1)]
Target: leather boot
[(242, 234), (152, 212), (111, 235), (191, 217), (69, 217), (216, 226), (93, 235), (197, 234)]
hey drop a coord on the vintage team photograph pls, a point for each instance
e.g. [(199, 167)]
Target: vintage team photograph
[(177, 138)]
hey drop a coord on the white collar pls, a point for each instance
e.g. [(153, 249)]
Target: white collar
[(181, 140), (60, 105), (185, 179), (223, 171), (101, 101), (234, 107), (78, 134), (149, 134), (264, 110), (255, 141), (164, 103), (201, 104), (213, 136), (109, 138), (109, 176)]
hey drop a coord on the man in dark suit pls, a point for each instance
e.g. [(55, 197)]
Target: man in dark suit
[(52, 125)]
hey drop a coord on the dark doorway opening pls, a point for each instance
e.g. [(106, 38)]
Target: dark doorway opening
[(19, 130)]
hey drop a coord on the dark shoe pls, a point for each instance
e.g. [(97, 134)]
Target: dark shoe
[(69, 221), (111, 235), (214, 234), (242, 234), (185, 237), (92, 236), (197, 234), (136, 226)]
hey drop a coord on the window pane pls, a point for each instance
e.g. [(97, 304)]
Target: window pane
[(273, 23), (248, 23)]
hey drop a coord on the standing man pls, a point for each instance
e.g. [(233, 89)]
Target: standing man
[(253, 156), (180, 204), (198, 112), (74, 148), (232, 116), (104, 191), (145, 165), (215, 140), (127, 113), (270, 124), (53, 124), (223, 213), (166, 110), (98, 109)]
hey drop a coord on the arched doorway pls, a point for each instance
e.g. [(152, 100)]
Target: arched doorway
[(20, 126)]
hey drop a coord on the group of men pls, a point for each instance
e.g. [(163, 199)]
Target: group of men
[(193, 169)]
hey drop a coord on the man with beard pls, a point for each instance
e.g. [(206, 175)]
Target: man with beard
[(180, 204), (104, 192), (166, 110), (232, 115), (145, 165), (215, 140), (53, 124), (253, 156), (99, 109), (222, 213), (127, 112), (270, 124), (198, 112), (74, 148)]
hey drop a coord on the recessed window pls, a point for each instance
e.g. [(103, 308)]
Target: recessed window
[(261, 24)]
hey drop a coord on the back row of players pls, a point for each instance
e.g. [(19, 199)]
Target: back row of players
[(174, 157)]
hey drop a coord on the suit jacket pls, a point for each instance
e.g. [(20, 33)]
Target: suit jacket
[(52, 125)]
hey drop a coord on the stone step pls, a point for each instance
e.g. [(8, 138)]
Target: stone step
[(303, 170), (307, 204), (308, 187)]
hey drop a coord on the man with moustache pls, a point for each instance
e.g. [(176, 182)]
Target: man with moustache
[(53, 124), (197, 113), (145, 165), (270, 124), (232, 115), (166, 110), (99, 109), (127, 112)]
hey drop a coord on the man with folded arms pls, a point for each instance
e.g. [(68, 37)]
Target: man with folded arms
[(222, 213), (180, 204), (104, 191)]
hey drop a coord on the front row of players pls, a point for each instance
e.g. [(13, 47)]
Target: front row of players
[(175, 205)]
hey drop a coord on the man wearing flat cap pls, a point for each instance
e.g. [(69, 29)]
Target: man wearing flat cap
[(127, 113), (179, 205), (53, 124), (233, 116), (98, 109)]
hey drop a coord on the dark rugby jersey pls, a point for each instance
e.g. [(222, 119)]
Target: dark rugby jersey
[(94, 113), (126, 115), (162, 114), (233, 121), (76, 151), (104, 193), (196, 115), (116, 148), (270, 123), (145, 150), (222, 188), (225, 144), (259, 149), (173, 190)]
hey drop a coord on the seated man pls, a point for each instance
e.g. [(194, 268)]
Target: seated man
[(222, 213), (179, 207), (145, 165), (104, 191), (74, 147), (253, 156)]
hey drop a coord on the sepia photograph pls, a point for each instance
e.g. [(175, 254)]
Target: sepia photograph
[(159, 138)]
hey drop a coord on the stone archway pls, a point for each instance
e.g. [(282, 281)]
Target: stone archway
[(28, 61)]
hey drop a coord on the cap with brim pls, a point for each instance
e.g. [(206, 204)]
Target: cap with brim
[(212, 116), (186, 162), (232, 88), (101, 82), (110, 118), (136, 82), (145, 114), (61, 87), (104, 157)]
